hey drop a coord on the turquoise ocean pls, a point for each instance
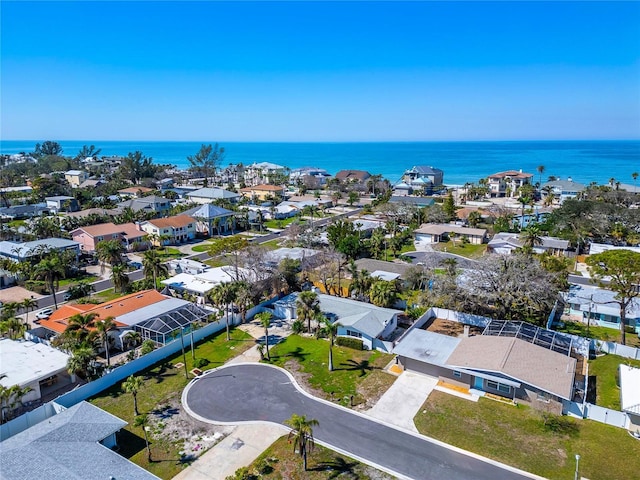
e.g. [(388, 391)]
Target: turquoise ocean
[(583, 161)]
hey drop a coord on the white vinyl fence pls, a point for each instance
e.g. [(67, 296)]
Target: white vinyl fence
[(28, 419)]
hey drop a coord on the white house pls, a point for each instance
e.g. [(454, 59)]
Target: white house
[(562, 189), (630, 395), (75, 177), (429, 233), (208, 195), (505, 243)]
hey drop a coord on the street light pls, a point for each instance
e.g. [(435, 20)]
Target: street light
[(577, 466)]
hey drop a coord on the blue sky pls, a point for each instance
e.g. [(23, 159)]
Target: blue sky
[(326, 71)]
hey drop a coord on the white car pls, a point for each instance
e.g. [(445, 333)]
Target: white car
[(44, 314)]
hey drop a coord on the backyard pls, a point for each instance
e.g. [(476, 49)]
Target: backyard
[(172, 430), (280, 462), (598, 333), (357, 373), (605, 370), (518, 436), (464, 250)]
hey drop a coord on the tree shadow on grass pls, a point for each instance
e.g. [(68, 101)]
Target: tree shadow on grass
[(297, 354), (364, 366), (338, 467), (164, 371)]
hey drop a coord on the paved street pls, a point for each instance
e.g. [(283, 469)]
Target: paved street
[(242, 393)]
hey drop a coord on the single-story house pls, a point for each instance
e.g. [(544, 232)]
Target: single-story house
[(62, 203), (19, 252), (208, 195), (505, 243), (307, 256), (91, 183), (199, 284), (156, 317), (504, 366), (414, 201), (94, 211), (562, 189), (129, 234), (371, 324), (602, 247), (178, 229), (353, 176), (630, 395), (75, 444), (212, 220), (19, 212), (35, 365), (429, 233), (185, 265), (599, 306), (383, 270)]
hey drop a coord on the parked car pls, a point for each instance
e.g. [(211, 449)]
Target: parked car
[(44, 314), (66, 297), (135, 265)]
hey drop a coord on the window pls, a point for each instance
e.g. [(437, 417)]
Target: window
[(498, 386), (351, 333), (457, 374)]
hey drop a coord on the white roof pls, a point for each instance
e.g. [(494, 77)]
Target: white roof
[(382, 275), (75, 172), (630, 389), (205, 281), (25, 362)]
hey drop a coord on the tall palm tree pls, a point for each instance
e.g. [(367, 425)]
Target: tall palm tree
[(531, 237), (330, 329), (110, 251), (119, 278), (244, 298), (51, 270), (301, 435), (80, 327), (133, 385), (142, 421), (540, 169), (221, 296), (307, 305), (29, 304), (265, 320), (153, 266), (104, 327)]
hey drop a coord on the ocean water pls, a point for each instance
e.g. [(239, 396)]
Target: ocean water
[(583, 161)]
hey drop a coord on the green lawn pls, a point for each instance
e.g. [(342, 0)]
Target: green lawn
[(605, 369), (168, 253), (106, 295), (283, 223), (66, 282), (280, 462), (356, 372), (162, 384), (465, 250), (600, 333), (517, 436)]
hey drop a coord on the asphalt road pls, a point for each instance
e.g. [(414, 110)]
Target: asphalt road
[(259, 392)]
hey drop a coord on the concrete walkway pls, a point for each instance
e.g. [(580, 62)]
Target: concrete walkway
[(400, 404), (237, 450)]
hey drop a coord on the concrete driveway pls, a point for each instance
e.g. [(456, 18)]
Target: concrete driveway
[(252, 393)]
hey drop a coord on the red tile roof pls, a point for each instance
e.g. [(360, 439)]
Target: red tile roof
[(59, 320)]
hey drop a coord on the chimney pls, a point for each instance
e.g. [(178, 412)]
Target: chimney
[(466, 331)]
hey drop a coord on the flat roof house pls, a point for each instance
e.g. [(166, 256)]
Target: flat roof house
[(62, 203), (371, 324), (75, 444), (75, 177), (630, 395), (201, 283), (504, 366), (35, 365)]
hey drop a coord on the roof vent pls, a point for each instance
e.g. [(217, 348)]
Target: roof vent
[(139, 296), (108, 306)]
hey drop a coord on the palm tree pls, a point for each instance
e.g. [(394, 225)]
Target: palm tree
[(330, 329), (265, 320), (222, 295), (635, 175), (143, 422), (301, 435), (133, 385), (51, 270), (153, 266), (80, 360), (450, 265), (244, 299), (104, 327), (307, 305), (119, 278), (28, 304), (80, 327), (133, 337), (523, 200), (531, 237), (110, 251), (540, 170), (9, 397), (383, 293), (13, 326)]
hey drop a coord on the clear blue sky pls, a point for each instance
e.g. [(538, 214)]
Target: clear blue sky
[(303, 71)]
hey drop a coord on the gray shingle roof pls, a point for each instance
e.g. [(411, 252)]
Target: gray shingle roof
[(66, 447), (208, 211), (213, 193)]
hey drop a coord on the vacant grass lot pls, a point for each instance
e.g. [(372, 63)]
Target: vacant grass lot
[(162, 384), (517, 436), (605, 369), (465, 250), (356, 372), (280, 462), (600, 333)]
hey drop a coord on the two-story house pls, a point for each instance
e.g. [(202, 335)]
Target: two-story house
[(170, 230), (262, 192), (75, 177), (423, 177), (151, 204), (129, 234)]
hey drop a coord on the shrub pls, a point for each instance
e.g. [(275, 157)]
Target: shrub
[(147, 347), (297, 327), (560, 424), (629, 329), (349, 342), (200, 362)]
